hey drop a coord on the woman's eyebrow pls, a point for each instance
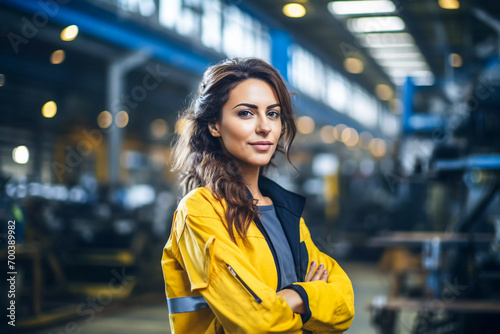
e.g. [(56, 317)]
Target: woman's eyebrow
[(253, 106)]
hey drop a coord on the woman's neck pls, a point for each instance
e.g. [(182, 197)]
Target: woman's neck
[(250, 175)]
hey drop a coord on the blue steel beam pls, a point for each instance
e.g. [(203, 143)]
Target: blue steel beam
[(126, 38)]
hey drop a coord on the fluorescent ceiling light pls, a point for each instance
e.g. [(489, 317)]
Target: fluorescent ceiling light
[(393, 71), (361, 7), (422, 74), (409, 73), (395, 50), (382, 40), (403, 63), (379, 54), (449, 4), (376, 23)]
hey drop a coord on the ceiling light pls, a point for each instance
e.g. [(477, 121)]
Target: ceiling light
[(403, 63), (449, 4), (49, 109), (121, 119), (421, 74), (382, 40), (361, 7), (305, 124), (455, 60), (402, 72), (382, 55), (294, 10), (350, 136), (21, 155), (57, 57), (159, 128), (354, 138), (69, 33), (384, 92), (353, 65), (374, 24), (104, 119), (394, 50), (337, 132), (327, 134), (378, 147)]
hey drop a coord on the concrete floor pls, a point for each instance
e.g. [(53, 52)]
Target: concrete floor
[(367, 283), (153, 319)]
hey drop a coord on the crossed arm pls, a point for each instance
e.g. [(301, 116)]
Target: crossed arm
[(293, 298), (240, 299)]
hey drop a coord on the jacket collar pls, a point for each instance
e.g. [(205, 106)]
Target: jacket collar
[(293, 202)]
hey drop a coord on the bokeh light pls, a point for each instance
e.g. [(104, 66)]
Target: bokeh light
[(57, 57), (354, 65), (21, 155), (305, 124), (455, 60), (449, 4), (121, 119), (294, 10), (337, 132), (104, 119), (378, 147), (49, 109), (384, 92), (159, 128), (327, 134), (69, 33)]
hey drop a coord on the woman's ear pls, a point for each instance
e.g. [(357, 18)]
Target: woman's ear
[(214, 131)]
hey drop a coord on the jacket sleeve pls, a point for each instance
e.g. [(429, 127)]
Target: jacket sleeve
[(330, 306), (232, 287)]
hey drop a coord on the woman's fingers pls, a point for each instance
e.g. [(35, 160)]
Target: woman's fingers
[(317, 275), (311, 271), (320, 274), (324, 277)]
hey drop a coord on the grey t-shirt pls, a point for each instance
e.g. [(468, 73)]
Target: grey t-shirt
[(280, 243)]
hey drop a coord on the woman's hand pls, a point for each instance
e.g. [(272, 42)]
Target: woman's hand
[(320, 274), (293, 298)]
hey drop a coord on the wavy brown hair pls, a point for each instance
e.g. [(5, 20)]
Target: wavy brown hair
[(199, 156)]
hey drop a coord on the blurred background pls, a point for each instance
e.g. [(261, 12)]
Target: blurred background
[(398, 151)]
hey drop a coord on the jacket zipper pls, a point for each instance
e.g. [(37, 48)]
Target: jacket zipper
[(257, 299), (270, 244)]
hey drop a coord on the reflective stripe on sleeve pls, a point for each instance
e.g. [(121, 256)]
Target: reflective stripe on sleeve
[(186, 304)]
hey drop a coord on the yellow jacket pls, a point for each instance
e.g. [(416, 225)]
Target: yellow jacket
[(215, 286)]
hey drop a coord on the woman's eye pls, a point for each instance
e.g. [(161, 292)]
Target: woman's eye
[(244, 113), (274, 114)]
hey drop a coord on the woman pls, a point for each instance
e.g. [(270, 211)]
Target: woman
[(263, 278)]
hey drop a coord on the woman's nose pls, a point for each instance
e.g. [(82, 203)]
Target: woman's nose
[(263, 125)]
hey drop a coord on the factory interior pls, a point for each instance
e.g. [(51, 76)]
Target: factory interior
[(397, 152)]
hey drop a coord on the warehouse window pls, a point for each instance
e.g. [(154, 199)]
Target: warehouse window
[(221, 27)]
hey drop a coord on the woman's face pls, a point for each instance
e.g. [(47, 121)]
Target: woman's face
[(250, 125)]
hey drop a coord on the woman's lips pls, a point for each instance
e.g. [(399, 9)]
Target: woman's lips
[(262, 147)]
